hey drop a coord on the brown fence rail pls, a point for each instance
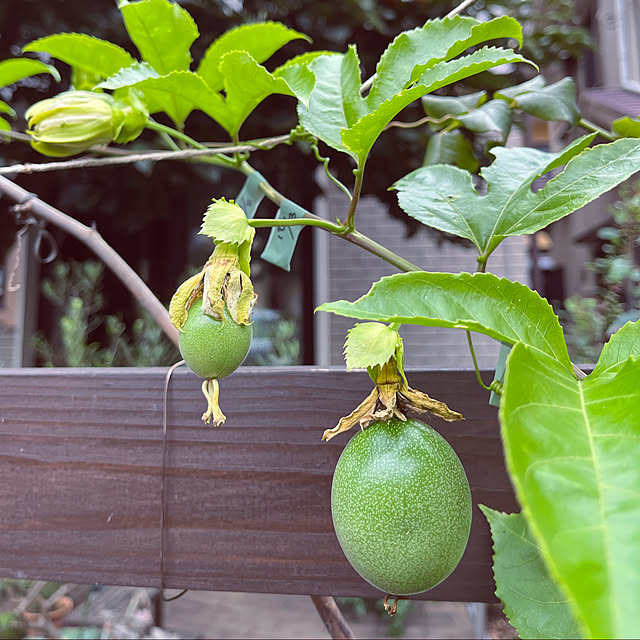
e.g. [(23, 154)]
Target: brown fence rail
[(247, 505)]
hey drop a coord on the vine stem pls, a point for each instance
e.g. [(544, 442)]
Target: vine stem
[(592, 126), (92, 239)]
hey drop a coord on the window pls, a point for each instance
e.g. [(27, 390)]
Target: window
[(629, 43)]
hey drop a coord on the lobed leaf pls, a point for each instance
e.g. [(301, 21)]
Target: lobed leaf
[(18, 68), (162, 31), (504, 310), (359, 138), (445, 198), (370, 345), (128, 76), (84, 52), (412, 52), (297, 74), (533, 602), (260, 40), (572, 449)]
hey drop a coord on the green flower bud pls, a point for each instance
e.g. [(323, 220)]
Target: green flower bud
[(75, 121)]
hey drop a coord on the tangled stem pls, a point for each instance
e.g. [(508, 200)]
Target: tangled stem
[(211, 391)]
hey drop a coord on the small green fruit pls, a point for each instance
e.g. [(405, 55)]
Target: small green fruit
[(211, 348), (401, 506)]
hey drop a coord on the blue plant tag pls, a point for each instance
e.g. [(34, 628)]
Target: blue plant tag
[(251, 195), (501, 367), (282, 240)]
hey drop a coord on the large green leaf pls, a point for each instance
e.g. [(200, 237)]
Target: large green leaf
[(622, 344), (260, 40), (327, 113), (18, 68), (494, 115), (84, 52), (298, 75), (572, 449), (414, 51), (504, 310), (442, 106), (532, 600), (445, 197), (162, 31), (551, 102), (359, 138)]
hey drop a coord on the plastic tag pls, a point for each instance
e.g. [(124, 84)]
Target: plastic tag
[(501, 367), (251, 195), (282, 240)]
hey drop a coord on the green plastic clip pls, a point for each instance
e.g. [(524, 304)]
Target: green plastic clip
[(282, 240), (251, 195)]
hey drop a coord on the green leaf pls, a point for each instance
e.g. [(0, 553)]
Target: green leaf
[(127, 76), (626, 127), (412, 52), (260, 40), (18, 68), (370, 345), (451, 147), (325, 116), (247, 84), (4, 125), (162, 31), (226, 222), (509, 93), (532, 600), (572, 449), (553, 102), (441, 106), (504, 310), (5, 108), (494, 115), (297, 74), (445, 198), (359, 138), (81, 51), (622, 345)]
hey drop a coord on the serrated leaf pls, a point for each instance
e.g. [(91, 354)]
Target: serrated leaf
[(369, 345), (532, 600), (445, 198), (359, 138), (226, 222), (260, 40), (92, 55), (622, 345), (128, 76), (18, 68), (441, 106), (414, 51), (572, 449), (326, 115), (162, 31), (552, 102), (451, 147), (504, 310), (298, 75)]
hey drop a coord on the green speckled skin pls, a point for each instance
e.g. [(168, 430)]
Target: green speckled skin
[(401, 506), (211, 348)]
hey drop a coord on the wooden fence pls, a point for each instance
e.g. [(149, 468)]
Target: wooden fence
[(247, 505)]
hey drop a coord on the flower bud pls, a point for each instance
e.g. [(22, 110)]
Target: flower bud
[(75, 121)]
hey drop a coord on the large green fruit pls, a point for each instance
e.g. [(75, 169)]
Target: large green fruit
[(401, 506), (212, 348)]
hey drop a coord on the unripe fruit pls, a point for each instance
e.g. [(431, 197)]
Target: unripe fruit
[(401, 506), (211, 348)]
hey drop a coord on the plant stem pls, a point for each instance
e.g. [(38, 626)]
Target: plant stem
[(310, 221), (592, 126), (357, 191), (460, 8), (359, 239)]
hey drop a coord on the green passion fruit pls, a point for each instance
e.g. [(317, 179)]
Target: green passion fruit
[(401, 506), (213, 349)]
